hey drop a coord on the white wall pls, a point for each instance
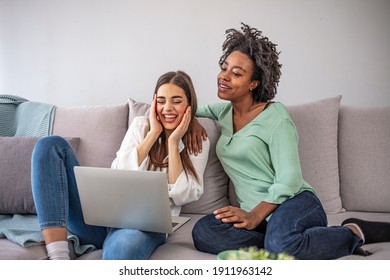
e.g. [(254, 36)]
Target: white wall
[(84, 52)]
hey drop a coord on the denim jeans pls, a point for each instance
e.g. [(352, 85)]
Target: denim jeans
[(297, 227), (58, 204)]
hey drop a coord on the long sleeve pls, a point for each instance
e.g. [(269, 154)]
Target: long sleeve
[(283, 147), (211, 111), (127, 156)]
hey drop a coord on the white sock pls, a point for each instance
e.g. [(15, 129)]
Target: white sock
[(58, 250)]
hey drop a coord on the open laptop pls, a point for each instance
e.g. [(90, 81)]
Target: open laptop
[(126, 199)]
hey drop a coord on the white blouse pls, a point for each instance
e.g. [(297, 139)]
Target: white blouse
[(186, 188)]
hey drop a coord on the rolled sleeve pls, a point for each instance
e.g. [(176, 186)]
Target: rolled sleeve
[(127, 155), (288, 178)]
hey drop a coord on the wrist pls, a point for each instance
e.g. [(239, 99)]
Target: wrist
[(173, 143), (257, 215), (154, 134)]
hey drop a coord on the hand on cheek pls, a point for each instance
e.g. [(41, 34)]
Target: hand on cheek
[(182, 128)]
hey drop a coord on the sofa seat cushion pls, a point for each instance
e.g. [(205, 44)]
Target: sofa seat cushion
[(317, 125), (13, 251), (180, 246), (364, 139), (15, 173)]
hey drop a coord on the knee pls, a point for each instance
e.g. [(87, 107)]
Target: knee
[(127, 244), (204, 224), (47, 145)]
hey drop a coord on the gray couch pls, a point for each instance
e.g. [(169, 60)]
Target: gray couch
[(344, 154)]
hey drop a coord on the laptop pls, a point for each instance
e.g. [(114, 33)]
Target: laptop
[(132, 199)]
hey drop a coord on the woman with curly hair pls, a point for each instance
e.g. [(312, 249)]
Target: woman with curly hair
[(258, 149)]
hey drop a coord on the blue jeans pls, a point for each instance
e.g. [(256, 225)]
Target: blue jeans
[(297, 227), (58, 204)]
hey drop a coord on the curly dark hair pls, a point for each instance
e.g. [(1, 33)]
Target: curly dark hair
[(263, 54)]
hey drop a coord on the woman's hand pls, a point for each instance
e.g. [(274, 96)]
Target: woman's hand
[(182, 128), (174, 160), (238, 217), (155, 123), (195, 136)]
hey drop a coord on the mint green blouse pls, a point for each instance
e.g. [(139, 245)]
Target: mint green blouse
[(262, 158)]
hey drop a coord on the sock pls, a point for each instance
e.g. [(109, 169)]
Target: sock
[(373, 232), (361, 252), (58, 250)]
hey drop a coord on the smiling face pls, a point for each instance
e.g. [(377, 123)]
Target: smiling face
[(235, 79), (171, 105)]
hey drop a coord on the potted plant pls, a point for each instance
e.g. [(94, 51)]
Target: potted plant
[(252, 253)]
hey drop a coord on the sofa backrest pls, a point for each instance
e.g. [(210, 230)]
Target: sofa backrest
[(344, 153), (101, 130), (364, 158)]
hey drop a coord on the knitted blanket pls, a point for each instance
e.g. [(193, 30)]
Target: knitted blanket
[(24, 230), (20, 117)]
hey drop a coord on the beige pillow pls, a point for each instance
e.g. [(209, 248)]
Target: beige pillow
[(364, 144), (15, 173), (101, 130), (317, 125)]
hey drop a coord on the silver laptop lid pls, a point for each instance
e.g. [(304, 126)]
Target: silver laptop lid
[(124, 198)]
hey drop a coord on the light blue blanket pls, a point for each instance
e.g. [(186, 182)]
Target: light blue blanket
[(20, 117), (24, 230), (8, 106)]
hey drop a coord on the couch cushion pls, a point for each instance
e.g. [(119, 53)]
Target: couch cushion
[(137, 108), (317, 125), (364, 139), (101, 130), (12, 251), (15, 173), (215, 193)]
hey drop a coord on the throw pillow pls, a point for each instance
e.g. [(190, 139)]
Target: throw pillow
[(100, 127), (15, 173), (137, 108), (317, 125), (364, 139)]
